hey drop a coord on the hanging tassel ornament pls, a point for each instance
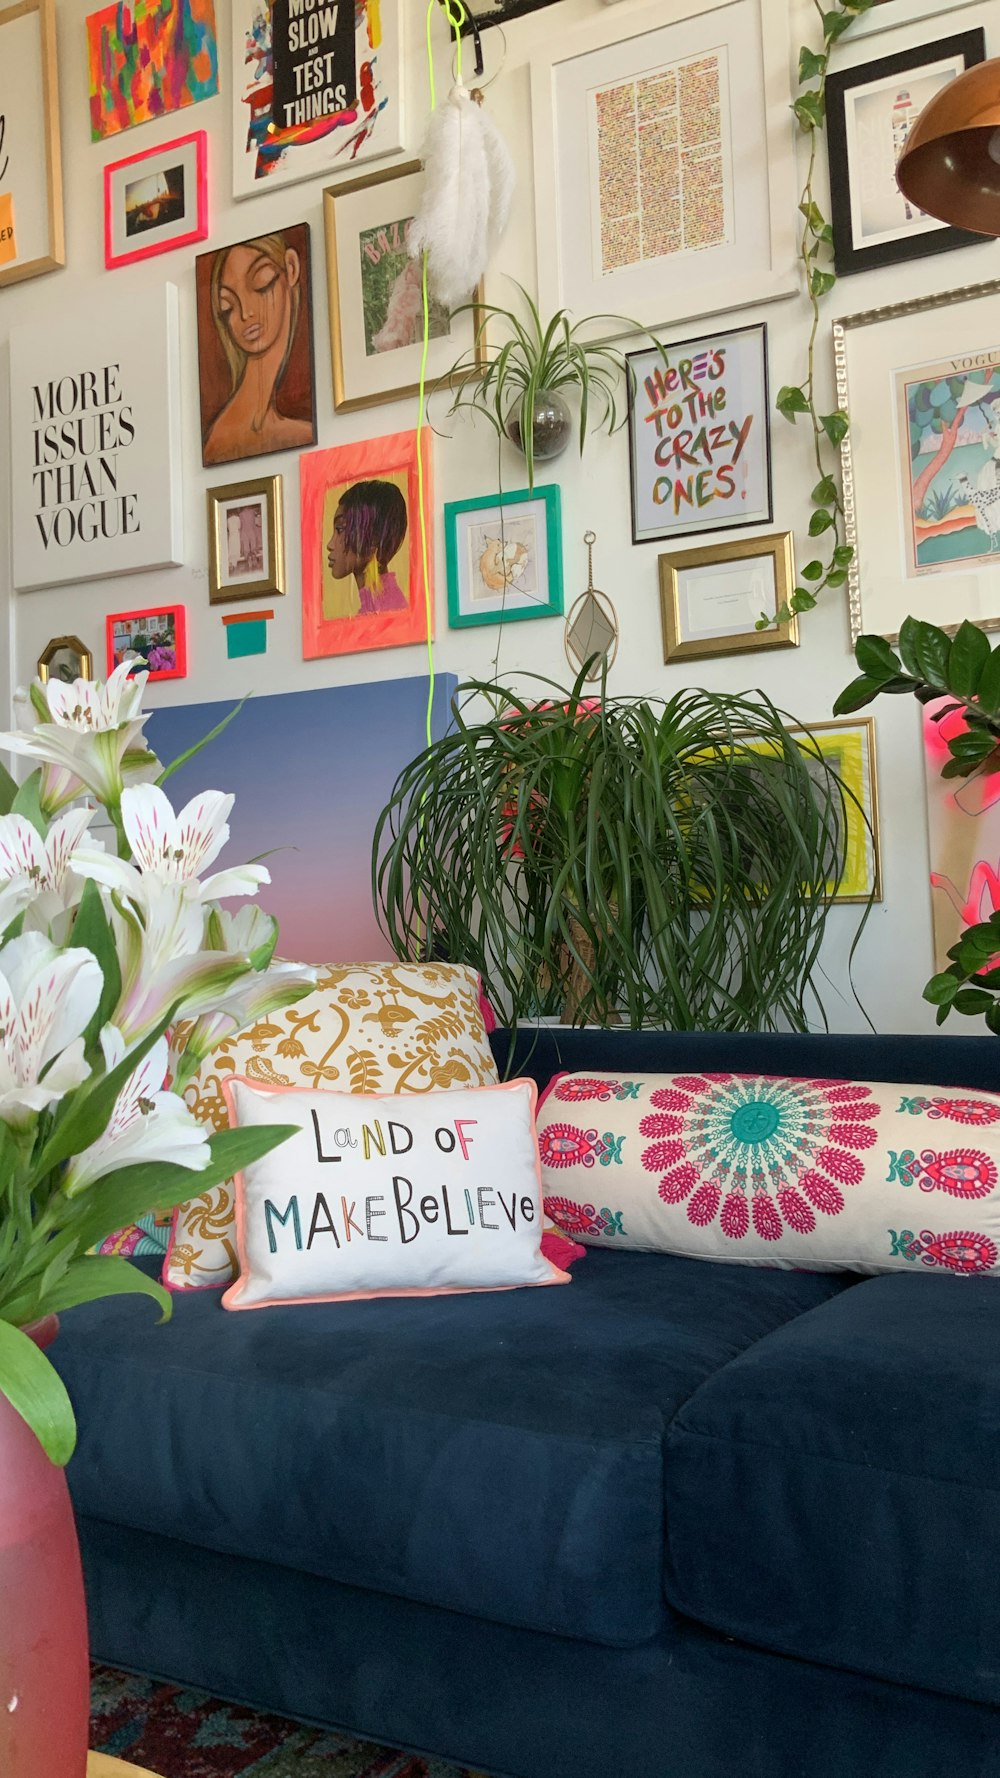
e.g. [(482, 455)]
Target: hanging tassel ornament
[(465, 204)]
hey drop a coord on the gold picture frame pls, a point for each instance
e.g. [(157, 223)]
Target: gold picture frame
[(246, 540), (79, 662), (367, 237), (18, 201), (685, 577)]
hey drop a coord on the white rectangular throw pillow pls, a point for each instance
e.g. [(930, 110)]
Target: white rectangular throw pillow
[(760, 1170), (388, 1195)]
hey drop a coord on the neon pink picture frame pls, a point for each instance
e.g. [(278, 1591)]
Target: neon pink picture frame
[(381, 602), (158, 634), (184, 160)]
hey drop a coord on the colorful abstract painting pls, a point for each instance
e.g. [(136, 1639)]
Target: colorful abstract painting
[(147, 58), (310, 771), (949, 419)]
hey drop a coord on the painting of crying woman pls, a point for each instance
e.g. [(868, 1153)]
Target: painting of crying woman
[(362, 551), (255, 347)]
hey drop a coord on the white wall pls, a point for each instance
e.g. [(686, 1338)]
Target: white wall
[(895, 954)]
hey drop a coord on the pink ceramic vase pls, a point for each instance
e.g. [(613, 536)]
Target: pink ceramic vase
[(44, 1668)]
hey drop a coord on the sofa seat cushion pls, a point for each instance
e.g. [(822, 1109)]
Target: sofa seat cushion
[(499, 1455), (834, 1493)]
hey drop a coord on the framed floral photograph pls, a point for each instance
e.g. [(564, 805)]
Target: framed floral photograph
[(32, 234), (156, 201), (711, 598), (375, 295), (153, 641), (316, 91), (700, 435), (65, 658), (870, 111), (255, 347), (504, 556), (246, 543), (664, 161), (921, 461), (363, 564)]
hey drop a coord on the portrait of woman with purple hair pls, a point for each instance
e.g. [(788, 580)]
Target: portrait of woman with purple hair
[(369, 529)]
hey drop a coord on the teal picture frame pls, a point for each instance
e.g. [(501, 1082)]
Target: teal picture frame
[(498, 570)]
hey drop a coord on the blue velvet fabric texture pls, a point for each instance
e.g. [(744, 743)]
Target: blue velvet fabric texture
[(497, 1454), (515, 1703), (923, 1061), (850, 1460)]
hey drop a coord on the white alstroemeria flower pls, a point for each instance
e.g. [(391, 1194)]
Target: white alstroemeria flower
[(173, 849), (249, 930), (82, 736), (242, 1005), (159, 930), (147, 1124), (46, 864), (47, 999)]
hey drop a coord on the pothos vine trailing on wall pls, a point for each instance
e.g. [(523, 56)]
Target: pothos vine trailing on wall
[(815, 254)]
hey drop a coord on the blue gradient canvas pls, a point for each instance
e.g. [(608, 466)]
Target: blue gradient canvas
[(310, 770)]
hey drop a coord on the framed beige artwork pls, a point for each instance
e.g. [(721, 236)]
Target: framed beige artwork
[(32, 239), (712, 598)]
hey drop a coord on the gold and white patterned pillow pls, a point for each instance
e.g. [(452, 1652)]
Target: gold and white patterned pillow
[(365, 1028)]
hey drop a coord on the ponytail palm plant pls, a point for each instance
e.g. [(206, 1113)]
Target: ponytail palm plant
[(655, 862)]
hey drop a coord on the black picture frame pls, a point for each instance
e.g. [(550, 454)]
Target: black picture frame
[(726, 521), (970, 46)]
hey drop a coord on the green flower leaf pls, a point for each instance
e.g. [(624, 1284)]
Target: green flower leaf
[(855, 696), (825, 492), (970, 652), (37, 1392), (988, 691), (811, 63), (876, 659), (809, 108), (941, 989), (820, 521), (812, 571), (803, 599), (820, 282), (790, 401)]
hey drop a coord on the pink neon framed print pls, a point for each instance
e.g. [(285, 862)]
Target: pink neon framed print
[(156, 201), (154, 641)]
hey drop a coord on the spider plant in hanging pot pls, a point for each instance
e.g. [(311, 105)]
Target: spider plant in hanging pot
[(649, 862), (529, 386)]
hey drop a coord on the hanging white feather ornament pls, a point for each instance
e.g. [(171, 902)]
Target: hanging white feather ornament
[(466, 199)]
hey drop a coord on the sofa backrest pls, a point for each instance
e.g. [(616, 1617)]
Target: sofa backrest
[(921, 1061)]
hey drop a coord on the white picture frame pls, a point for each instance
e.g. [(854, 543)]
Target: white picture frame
[(257, 166), (106, 378), (32, 235), (741, 249), (879, 354), (893, 13)]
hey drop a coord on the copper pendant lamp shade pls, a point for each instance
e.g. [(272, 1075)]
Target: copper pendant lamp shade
[(950, 166)]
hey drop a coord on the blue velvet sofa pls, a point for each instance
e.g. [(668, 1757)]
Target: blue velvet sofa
[(677, 1520)]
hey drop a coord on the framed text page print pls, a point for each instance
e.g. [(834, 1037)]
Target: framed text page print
[(870, 110), (921, 462), (316, 90), (664, 162), (699, 435), (31, 197), (94, 424)]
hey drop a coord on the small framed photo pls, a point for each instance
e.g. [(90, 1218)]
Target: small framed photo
[(156, 201), (870, 111), (153, 641), (699, 435), (504, 557), (711, 598), (375, 295), (65, 658), (246, 543)]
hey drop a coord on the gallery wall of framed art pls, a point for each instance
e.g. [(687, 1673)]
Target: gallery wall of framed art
[(214, 170)]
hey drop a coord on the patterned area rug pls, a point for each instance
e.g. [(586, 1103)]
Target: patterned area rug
[(186, 1734)]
